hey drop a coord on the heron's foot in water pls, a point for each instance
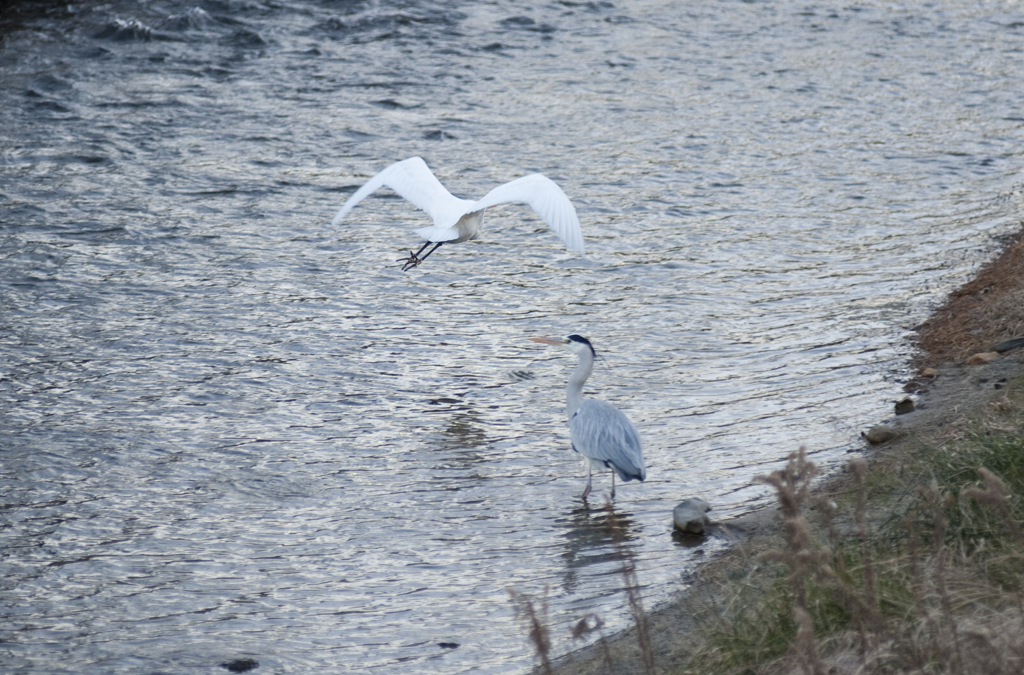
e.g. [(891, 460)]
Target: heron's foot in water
[(412, 261)]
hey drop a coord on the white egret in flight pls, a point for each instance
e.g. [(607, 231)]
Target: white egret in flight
[(599, 431), (457, 219)]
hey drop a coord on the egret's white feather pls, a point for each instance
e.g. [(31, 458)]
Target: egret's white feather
[(412, 179), (547, 199), (434, 233)]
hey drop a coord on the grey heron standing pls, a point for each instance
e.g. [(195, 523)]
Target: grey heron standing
[(457, 220), (599, 431)]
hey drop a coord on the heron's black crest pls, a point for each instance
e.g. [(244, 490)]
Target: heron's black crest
[(580, 338)]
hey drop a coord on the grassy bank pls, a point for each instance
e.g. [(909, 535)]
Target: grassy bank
[(914, 563)]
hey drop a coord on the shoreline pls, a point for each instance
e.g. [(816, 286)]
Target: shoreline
[(987, 310)]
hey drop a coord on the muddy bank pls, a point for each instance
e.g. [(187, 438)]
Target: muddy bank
[(986, 312)]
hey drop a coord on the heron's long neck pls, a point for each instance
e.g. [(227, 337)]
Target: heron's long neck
[(574, 392)]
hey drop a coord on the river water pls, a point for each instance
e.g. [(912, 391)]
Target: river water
[(230, 430)]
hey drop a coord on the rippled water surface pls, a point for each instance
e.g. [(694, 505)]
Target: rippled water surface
[(230, 430)]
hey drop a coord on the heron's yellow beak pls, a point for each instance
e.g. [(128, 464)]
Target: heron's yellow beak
[(549, 341)]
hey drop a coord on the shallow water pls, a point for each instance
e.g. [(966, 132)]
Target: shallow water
[(231, 430)]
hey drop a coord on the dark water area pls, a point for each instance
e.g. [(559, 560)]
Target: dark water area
[(231, 431)]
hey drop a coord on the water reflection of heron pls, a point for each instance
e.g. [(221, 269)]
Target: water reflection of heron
[(594, 537)]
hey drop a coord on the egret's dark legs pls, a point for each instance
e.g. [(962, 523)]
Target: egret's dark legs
[(613, 485), (587, 491), (431, 250), (414, 259)]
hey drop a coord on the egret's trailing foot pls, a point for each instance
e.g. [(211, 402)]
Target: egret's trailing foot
[(414, 259)]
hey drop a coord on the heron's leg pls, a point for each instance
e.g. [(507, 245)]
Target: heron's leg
[(414, 259), (587, 491), (613, 485)]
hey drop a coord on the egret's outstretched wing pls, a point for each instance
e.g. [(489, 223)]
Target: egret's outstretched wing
[(413, 180), (547, 199), (601, 431)]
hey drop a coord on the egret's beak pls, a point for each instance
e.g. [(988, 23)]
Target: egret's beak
[(550, 341)]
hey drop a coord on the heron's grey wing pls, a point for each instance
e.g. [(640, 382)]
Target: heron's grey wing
[(412, 179), (547, 199), (601, 431)]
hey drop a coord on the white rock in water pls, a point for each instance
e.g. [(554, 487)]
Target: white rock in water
[(690, 515)]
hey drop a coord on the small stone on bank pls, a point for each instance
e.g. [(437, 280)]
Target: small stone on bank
[(879, 434), (904, 406), (689, 515), (982, 358)]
